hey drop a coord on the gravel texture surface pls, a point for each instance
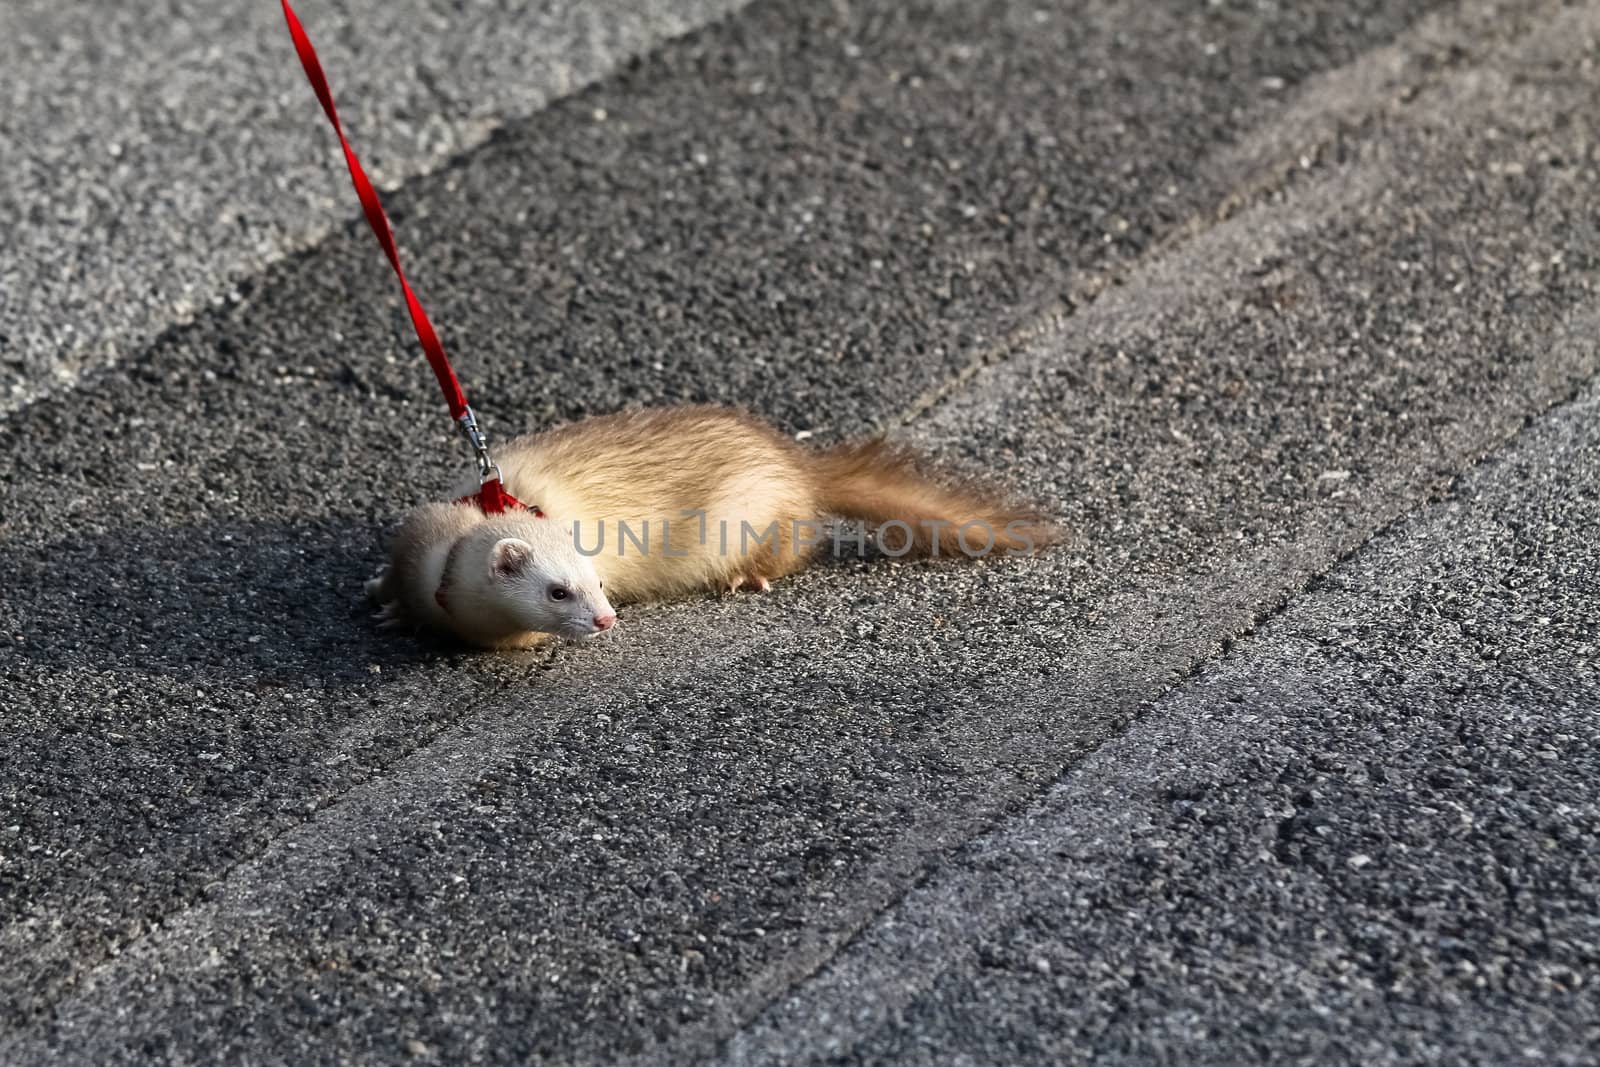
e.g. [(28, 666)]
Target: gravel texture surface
[(1229, 290), (1368, 834), (159, 156)]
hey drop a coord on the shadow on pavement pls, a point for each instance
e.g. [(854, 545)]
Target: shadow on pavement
[(229, 601)]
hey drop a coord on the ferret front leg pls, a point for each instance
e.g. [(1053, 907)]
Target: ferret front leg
[(376, 587), (388, 615)]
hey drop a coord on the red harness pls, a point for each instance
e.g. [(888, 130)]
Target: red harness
[(491, 496)]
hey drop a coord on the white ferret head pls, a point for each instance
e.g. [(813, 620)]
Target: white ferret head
[(525, 574)]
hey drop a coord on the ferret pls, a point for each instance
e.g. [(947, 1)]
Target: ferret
[(656, 503)]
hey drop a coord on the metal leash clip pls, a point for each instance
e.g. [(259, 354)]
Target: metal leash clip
[(488, 469)]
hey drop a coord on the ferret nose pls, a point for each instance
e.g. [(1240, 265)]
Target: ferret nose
[(605, 622)]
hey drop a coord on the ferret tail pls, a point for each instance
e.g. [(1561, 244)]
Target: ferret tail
[(883, 486)]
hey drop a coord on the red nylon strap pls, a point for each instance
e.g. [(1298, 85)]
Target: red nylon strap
[(379, 222), (493, 498)]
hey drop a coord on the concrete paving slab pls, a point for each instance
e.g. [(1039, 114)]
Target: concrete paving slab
[(1367, 835), (158, 155), (248, 824)]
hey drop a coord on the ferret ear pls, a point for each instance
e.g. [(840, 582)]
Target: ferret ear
[(510, 558)]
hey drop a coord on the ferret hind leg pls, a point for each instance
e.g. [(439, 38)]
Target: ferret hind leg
[(757, 582)]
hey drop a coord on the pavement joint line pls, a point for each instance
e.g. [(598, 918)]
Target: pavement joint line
[(934, 862), (1268, 178), (88, 360), (1047, 324), (532, 660), (216, 888), (996, 914), (1274, 178), (1267, 181), (926, 862)]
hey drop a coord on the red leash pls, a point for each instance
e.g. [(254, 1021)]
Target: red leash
[(491, 496)]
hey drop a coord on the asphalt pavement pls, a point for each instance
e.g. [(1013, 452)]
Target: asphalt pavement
[(1369, 833), (159, 156), (1288, 313)]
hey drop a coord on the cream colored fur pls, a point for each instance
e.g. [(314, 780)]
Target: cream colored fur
[(715, 493)]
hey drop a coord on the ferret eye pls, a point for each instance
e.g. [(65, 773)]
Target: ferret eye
[(558, 592)]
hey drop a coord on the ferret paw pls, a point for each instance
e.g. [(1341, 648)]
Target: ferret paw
[(755, 581), (373, 586), (388, 616)]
